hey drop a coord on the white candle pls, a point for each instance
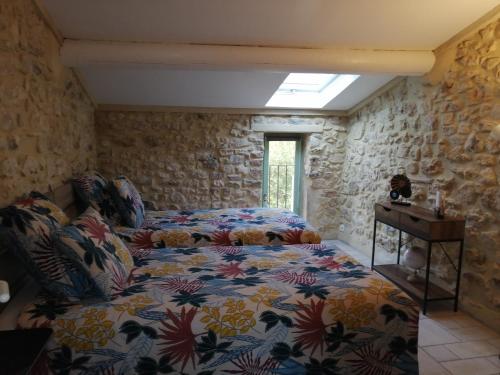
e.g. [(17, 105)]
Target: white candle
[(437, 204), (4, 292)]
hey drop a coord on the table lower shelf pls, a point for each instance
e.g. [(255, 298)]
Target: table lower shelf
[(398, 274)]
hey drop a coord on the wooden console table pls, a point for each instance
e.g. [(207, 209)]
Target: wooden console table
[(421, 223)]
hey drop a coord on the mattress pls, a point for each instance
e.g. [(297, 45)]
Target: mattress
[(291, 309), (224, 227)]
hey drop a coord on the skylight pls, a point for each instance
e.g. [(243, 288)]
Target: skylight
[(310, 90)]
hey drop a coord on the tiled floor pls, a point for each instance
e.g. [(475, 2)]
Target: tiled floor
[(450, 343)]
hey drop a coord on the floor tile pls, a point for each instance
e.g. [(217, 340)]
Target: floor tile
[(496, 343), (440, 353), (472, 349), (428, 366), (449, 319), (473, 366), (495, 360), (431, 333), (474, 333), (355, 253)]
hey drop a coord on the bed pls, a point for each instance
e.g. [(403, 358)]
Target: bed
[(223, 227), (121, 203), (283, 309), (246, 309)]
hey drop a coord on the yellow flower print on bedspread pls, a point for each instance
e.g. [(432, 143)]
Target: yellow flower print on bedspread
[(289, 255), (94, 331), (205, 216), (250, 237), (134, 305), (352, 309), (236, 320), (265, 295), (381, 288), (308, 236), (163, 270), (196, 260), (123, 253), (264, 263), (173, 238)]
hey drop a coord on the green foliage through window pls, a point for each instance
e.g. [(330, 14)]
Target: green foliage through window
[(281, 174)]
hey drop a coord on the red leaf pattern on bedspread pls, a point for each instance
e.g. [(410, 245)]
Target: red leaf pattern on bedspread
[(304, 278), (311, 328), (372, 362), (222, 238), (231, 270), (95, 228), (26, 202), (248, 365), (245, 216), (227, 249), (140, 253), (176, 284), (143, 240), (292, 236), (181, 219), (289, 220), (179, 339), (330, 263)]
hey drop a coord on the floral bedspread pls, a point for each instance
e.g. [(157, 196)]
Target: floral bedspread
[(224, 227), (298, 309)]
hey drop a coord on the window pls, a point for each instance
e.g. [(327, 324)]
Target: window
[(310, 90), (282, 172)]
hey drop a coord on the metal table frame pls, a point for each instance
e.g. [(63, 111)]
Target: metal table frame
[(427, 271)]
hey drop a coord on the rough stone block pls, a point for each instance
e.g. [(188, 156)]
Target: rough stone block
[(432, 167)]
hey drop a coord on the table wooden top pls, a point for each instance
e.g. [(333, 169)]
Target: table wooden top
[(420, 212)]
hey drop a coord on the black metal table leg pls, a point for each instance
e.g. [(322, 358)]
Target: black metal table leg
[(373, 245), (427, 274), (459, 271), (399, 246)]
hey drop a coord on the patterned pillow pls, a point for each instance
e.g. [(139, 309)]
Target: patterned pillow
[(128, 201), (90, 242), (92, 190), (26, 230)]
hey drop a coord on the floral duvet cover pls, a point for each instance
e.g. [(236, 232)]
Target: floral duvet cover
[(224, 227), (298, 309)]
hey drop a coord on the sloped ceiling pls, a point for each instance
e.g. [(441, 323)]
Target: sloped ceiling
[(194, 88), (365, 24)]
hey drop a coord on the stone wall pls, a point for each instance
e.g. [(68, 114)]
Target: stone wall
[(46, 121), (441, 135), (324, 155), (195, 160)]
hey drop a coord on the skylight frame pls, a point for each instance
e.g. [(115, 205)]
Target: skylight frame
[(290, 98), (302, 80)]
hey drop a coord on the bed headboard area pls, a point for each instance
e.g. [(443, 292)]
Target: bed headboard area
[(64, 197), (11, 270)]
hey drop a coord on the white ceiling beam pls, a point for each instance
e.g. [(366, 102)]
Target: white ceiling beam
[(80, 53)]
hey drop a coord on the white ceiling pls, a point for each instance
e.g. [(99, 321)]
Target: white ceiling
[(389, 24), (370, 24), (197, 88)]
